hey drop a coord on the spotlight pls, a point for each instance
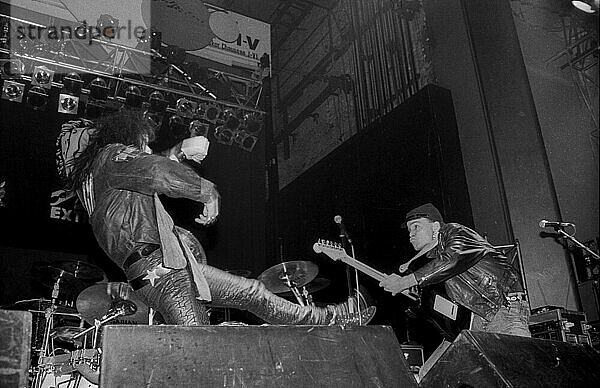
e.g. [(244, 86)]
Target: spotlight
[(198, 129), (252, 123), (108, 26), (42, 76), (587, 6), (68, 104), (133, 97), (157, 100), (13, 91), (186, 108), (37, 98), (12, 68), (244, 140), (99, 89), (248, 143), (224, 135), (72, 84), (211, 113), (232, 122)]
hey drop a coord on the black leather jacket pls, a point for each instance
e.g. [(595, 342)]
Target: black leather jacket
[(476, 275), (124, 182)]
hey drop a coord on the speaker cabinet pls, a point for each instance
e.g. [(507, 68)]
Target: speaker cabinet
[(252, 356), (477, 359), (15, 344)]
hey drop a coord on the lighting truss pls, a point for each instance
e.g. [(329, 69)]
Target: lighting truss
[(125, 65)]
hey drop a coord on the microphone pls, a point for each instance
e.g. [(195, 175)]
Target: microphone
[(343, 233), (544, 224)]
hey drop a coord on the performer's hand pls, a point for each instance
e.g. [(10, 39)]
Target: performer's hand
[(395, 283), (210, 212)]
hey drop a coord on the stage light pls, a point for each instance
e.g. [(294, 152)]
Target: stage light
[(99, 90), (232, 122), (68, 104), (108, 26), (157, 101), (133, 97), (588, 6), (72, 84), (198, 128), (245, 141), (12, 68), (13, 91), (42, 76), (252, 123), (224, 135), (211, 113), (37, 97), (186, 108), (248, 143)]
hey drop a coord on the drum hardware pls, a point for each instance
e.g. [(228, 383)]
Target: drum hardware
[(96, 301), (121, 308)]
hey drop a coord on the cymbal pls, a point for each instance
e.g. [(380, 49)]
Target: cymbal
[(299, 273), (49, 275), (80, 269), (95, 302), (316, 285), (239, 272)]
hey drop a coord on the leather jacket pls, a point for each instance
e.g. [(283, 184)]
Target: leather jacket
[(475, 274), (123, 214)]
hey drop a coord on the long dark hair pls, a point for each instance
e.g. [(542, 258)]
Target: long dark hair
[(126, 127)]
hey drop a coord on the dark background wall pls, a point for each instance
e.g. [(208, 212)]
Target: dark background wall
[(410, 157)]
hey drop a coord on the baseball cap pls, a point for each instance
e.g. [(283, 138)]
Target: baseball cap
[(424, 211)]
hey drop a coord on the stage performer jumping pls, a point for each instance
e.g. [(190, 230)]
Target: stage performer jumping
[(118, 181)]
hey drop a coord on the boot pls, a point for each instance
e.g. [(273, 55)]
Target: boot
[(347, 313)]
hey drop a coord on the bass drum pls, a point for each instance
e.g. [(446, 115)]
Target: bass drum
[(72, 380)]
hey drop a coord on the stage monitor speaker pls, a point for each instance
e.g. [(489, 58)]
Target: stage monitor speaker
[(252, 356), (477, 359), (15, 348)]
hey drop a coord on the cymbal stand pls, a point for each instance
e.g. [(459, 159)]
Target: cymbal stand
[(99, 322), (292, 286), (307, 296), (49, 316)]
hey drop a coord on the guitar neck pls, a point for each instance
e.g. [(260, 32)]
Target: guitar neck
[(372, 272)]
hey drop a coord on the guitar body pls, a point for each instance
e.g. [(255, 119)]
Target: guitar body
[(427, 326)]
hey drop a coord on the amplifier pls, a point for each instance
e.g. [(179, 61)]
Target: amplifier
[(560, 324)]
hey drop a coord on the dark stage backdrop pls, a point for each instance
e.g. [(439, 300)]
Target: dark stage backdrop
[(411, 157), (41, 222)]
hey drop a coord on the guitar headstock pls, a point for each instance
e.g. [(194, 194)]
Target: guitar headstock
[(331, 248)]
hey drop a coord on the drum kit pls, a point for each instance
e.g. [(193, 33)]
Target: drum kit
[(64, 353)]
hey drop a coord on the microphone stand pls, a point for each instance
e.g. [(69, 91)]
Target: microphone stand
[(564, 234)]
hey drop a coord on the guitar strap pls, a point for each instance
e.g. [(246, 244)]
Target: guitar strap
[(404, 266)]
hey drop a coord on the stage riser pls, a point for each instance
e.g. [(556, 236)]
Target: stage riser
[(252, 356), (15, 343), (479, 359)]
